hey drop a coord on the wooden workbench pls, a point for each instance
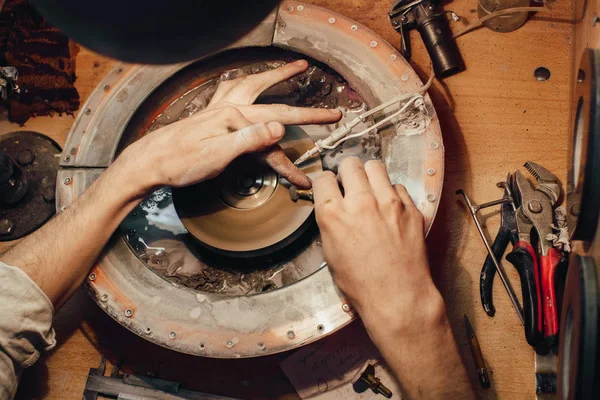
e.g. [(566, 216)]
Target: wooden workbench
[(494, 117)]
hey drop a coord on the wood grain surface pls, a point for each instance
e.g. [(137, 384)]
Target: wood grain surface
[(494, 117)]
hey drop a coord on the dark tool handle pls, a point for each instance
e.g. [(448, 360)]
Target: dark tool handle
[(440, 44), (524, 259), (548, 266), (486, 279)]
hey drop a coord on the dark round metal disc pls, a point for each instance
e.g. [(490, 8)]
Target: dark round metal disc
[(35, 154)]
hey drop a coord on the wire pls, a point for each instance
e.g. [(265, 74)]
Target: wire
[(499, 13)]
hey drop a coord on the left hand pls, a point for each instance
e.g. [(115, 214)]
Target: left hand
[(200, 147)]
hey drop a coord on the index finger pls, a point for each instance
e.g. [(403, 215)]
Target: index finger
[(326, 189), (251, 86)]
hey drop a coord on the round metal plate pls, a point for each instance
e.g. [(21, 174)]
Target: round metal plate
[(246, 209), (218, 325)]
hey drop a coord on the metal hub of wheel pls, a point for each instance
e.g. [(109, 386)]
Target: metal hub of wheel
[(233, 267), (246, 210)]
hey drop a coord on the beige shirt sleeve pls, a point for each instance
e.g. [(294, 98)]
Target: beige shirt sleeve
[(25, 326)]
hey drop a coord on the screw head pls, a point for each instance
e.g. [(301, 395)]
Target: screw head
[(128, 313), (261, 346), (576, 209), (119, 70), (104, 297), (346, 307), (201, 345), (148, 330), (73, 150), (25, 157), (106, 87), (434, 145), (67, 158), (535, 206), (332, 20), (6, 226), (353, 27), (229, 343), (373, 43), (67, 181), (300, 8), (291, 335), (431, 197), (87, 111), (541, 74), (172, 335), (430, 171), (320, 327), (92, 276), (393, 57)]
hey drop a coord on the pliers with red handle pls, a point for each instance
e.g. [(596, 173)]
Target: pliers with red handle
[(536, 212)]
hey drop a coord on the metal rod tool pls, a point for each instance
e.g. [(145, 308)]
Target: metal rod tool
[(474, 209)]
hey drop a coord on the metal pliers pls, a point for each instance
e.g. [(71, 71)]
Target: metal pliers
[(536, 211)]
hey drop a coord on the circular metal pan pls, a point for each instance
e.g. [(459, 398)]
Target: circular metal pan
[(216, 325)]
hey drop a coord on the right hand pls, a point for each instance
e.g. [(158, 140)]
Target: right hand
[(374, 243)]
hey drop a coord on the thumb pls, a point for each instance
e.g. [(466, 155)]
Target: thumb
[(256, 137)]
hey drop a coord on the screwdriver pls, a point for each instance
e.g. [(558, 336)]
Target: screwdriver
[(484, 379)]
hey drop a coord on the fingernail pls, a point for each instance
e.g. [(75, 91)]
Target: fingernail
[(300, 63), (276, 129), (335, 111)]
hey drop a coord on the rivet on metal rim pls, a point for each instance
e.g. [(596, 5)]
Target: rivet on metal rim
[(201, 346), (172, 335), (229, 343), (542, 74), (73, 150), (261, 346), (106, 87), (434, 145), (332, 20), (320, 327), (63, 208), (393, 57), (128, 312), (431, 197), (67, 180), (92, 276), (104, 297), (300, 8), (346, 307), (404, 77), (290, 8), (430, 171), (67, 158), (373, 43), (353, 27), (87, 111), (148, 330), (291, 335)]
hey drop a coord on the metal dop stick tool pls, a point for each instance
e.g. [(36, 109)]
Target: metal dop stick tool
[(474, 209)]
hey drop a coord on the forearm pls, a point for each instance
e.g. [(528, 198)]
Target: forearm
[(58, 256), (421, 350)]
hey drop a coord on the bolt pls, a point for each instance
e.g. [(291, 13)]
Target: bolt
[(128, 313), (106, 87), (92, 276), (291, 335), (346, 307), (332, 20), (300, 8), (73, 150), (320, 328), (67, 181), (25, 157), (430, 171), (6, 226), (148, 330), (353, 27), (542, 74), (431, 197), (261, 346), (104, 297), (535, 206), (373, 43), (67, 158), (87, 111), (576, 209), (434, 145), (229, 343), (172, 335)]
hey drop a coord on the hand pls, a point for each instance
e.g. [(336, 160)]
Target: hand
[(374, 244), (373, 239), (200, 147)]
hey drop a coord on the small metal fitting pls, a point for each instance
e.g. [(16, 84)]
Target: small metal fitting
[(6, 226), (202, 346), (373, 43), (261, 346), (106, 87), (430, 171), (332, 20), (148, 330), (321, 328), (434, 145), (229, 343), (92, 276), (535, 206), (104, 297), (87, 111), (172, 335), (353, 27), (67, 181), (67, 158), (291, 335), (346, 307), (431, 197), (128, 312)]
